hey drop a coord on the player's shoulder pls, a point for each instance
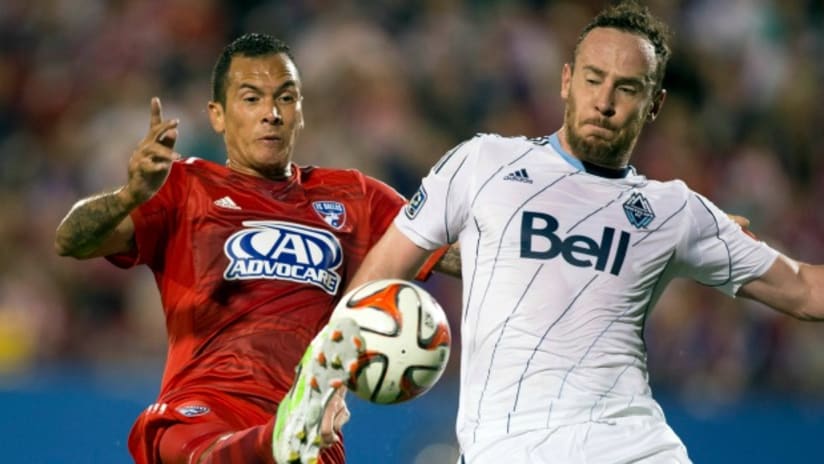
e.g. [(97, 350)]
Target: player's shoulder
[(343, 178), (194, 166), (318, 175), (192, 170), (486, 148), (674, 190), (675, 186), (481, 154), (490, 142)]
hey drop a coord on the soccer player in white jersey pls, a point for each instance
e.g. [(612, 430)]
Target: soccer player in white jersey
[(565, 249)]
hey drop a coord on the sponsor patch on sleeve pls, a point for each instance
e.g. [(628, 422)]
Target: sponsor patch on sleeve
[(415, 203)]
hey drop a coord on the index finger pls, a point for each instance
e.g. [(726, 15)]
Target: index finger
[(156, 116)]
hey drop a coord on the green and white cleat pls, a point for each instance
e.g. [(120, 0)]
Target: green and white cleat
[(326, 366)]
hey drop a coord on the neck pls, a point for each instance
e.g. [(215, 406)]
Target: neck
[(274, 173)]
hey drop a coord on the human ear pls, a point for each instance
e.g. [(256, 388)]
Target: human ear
[(566, 80), (216, 116), (657, 103)]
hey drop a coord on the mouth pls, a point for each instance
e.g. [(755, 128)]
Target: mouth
[(599, 129), (270, 139)]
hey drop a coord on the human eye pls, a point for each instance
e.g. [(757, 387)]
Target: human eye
[(250, 98), (628, 90), (288, 98)]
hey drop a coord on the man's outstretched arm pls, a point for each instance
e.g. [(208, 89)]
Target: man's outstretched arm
[(96, 226), (100, 224), (791, 287), (394, 256)]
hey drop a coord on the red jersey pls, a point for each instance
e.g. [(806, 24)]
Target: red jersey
[(250, 269)]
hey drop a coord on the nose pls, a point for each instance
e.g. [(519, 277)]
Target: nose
[(274, 116), (605, 103)]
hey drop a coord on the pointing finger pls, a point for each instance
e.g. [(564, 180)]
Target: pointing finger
[(156, 115)]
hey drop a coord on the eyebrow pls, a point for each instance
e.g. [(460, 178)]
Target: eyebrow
[(621, 80), (286, 85)]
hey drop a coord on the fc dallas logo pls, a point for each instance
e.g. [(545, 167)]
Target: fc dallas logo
[(332, 212)]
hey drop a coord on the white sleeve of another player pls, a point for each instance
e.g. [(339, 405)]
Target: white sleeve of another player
[(437, 212), (716, 252)]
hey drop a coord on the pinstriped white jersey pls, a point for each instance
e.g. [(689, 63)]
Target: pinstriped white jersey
[(560, 269)]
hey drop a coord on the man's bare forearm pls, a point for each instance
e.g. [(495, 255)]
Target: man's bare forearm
[(90, 222), (450, 262)]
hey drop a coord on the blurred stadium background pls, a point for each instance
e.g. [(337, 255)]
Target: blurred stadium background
[(389, 86)]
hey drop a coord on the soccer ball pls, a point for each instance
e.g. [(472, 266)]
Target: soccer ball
[(407, 340)]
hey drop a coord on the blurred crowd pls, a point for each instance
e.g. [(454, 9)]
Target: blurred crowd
[(390, 86)]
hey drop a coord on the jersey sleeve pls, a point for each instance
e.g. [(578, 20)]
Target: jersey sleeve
[(438, 211), (717, 252), (153, 221)]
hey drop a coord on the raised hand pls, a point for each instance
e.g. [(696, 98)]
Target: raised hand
[(150, 163)]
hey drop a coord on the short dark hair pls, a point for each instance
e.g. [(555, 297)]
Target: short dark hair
[(630, 16), (250, 45)]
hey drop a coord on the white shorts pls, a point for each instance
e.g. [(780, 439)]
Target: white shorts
[(645, 440)]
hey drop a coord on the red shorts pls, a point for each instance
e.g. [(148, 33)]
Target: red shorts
[(169, 432)]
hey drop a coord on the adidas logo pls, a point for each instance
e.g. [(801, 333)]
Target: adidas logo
[(520, 175), (226, 202)]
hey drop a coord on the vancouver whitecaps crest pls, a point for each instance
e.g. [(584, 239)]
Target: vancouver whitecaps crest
[(284, 251)]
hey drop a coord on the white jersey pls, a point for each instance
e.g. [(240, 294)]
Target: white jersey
[(560, 269)]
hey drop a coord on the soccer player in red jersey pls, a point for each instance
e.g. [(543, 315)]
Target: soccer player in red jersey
[(249, 259)]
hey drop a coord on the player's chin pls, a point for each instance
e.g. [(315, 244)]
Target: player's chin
[(273, 160), (597, 143)]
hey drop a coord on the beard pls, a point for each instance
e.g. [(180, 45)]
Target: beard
[(613, 153)]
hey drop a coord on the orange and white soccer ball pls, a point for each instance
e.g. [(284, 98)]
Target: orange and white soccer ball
[(407, 340)]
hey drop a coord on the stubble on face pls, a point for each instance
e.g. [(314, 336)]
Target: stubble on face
[(608, 153), (608, 91), (261, 128)]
